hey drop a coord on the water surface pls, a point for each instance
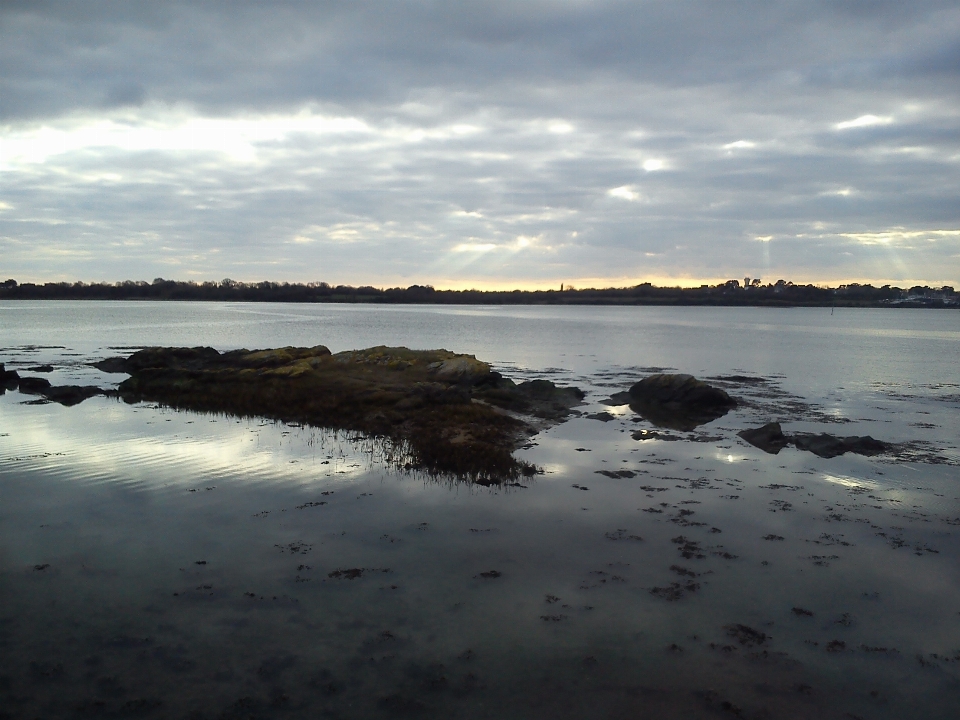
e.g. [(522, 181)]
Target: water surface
[(206, 566)]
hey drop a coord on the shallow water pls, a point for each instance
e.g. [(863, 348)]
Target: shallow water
[(189, 562)]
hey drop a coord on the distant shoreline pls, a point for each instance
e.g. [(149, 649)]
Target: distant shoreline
[(730, 294)]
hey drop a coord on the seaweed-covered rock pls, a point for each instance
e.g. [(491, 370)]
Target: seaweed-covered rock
[(679, 402), (444, 412), (769, 438)]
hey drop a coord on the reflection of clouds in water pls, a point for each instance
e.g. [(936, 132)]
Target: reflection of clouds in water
[(103, 440), (850, 482)]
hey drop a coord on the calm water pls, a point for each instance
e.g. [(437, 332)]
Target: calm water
[(189, 569)]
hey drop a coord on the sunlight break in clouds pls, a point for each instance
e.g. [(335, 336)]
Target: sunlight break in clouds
[(624, 192), (896, 236), (166, 131), (863, 121)]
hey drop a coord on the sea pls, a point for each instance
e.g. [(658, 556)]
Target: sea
[(159, 563)]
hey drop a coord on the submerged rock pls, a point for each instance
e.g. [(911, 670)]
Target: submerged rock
[(442, 412), (679, 402)]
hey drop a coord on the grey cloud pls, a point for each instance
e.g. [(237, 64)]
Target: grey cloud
[(241, 55)]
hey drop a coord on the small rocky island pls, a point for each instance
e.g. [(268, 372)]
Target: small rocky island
[(442, 412)]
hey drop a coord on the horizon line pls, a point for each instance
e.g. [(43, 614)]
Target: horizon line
[(528, 286)]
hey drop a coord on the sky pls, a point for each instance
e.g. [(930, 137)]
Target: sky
[(481, 143)]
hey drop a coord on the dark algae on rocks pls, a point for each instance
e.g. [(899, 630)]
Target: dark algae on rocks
[(442, 412)]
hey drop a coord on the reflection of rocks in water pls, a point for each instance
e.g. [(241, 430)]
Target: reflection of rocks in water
[(678, 402), (64, 394), (771, 439)]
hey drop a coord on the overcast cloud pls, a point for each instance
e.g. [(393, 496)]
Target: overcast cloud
[(481, 143)]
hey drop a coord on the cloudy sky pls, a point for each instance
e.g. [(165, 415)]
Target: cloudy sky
[(481, 143)]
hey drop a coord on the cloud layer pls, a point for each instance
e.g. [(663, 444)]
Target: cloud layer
[(481, 143)]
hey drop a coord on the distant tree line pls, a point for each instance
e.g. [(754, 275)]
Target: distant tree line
[(733, 292)]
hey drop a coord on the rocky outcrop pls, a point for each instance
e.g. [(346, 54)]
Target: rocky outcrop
[(679, 402), (771, 439), (443, 412)]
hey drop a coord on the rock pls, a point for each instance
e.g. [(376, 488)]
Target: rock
[(866, 445), (111, 365), (546, 400), (9, 379), (41, 368), (679, 402), (34, 385), (601, 416), (769, 438), (173, 358), (829, 446), (824, 445), (465, 368)]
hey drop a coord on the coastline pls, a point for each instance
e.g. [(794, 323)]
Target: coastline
[(729, 294)]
